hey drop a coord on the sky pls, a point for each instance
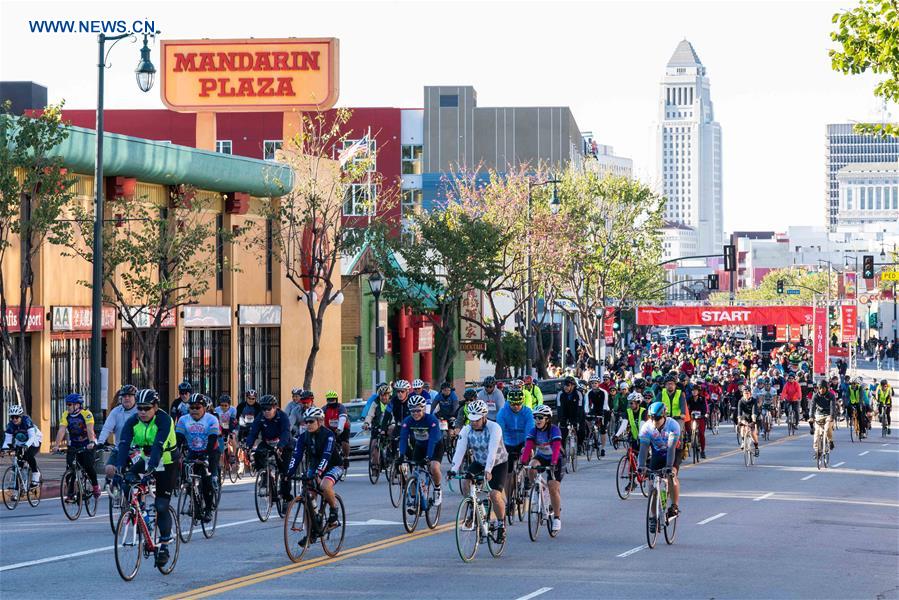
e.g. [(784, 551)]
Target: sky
[(771, 83)]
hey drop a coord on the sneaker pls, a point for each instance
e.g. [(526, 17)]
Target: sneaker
[(162, 555), (673, 511), (70, 498), (500, 534), (557, 524), (755, 451), (438, 496), (602, 452), (35, 480), (702, 454), (207, 516), (831, 444), (97, 491), (333, 520)]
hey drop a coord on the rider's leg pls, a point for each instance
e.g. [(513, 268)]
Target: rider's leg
[(327, 490), (555, 496)]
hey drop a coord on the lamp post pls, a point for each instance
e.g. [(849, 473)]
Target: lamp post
[(376, 284), (145, 74), (554, 205)]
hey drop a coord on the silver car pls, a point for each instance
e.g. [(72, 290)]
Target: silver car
[(359, 438)]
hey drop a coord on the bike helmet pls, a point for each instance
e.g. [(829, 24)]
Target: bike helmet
[(635, 397), (314, 413), (417, 384), (657, 409), (470, 394), (569, 381), (296, 392), (307, 397), (639, 383), (527, 380), (184, 387), (400, 385), (16, 411), (224, 399), (648, 394), (822, 384), (197, 398), (147, 397), (670, 378), (416, 401), (883, 382), (250, 393), (543, 411), (594, 378), (331, 396), (446, 385), (267, 400), (382, 389), (74, 399), (623, 385), (477, 410), (515, 397), (128, 390), (489, 381)]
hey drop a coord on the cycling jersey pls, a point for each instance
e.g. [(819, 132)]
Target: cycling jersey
[(336, 417), (227, 420), (322, 449), (884, 394), (179, 409), (115, 422), (660, 440), (545, 443), (26, 426), (531, 398), (156, 437), (247, 413), (486, 446), (445, 407), (200, 434), (77, 425), (598, 400), (494, 401), (748, 408), (425, 432), (515, 425), (856, 394), (274, 431), (571, 406)]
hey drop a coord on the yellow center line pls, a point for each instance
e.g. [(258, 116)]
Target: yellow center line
[(239, 582)]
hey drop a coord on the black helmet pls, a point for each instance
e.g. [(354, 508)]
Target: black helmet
[(670, 377), (147, 397), (197, 398), (569, 380), (250, 393), (296, 392), (883, 382), (488, 381), (470, 394), (224, 399), (184, 387), (267, 400), (128, 390), (822, 383)]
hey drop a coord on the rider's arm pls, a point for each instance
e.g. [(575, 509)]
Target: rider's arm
[(496, 438), (124, 446), (284, 435), (254, 432), (557, 449), (326, 454), (297, 458), (434, 436), (622, 427), (7, 439), (164, 425), (525, 451), (89, 424), (461, 448), (673, 438), (404, 438), (341, 418), (109, 425)]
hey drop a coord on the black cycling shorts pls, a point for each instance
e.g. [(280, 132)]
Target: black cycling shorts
[(556, 472), (419, 452), (497, 474), (660, 461)]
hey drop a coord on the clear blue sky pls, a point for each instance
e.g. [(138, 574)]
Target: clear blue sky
[(772, 85)]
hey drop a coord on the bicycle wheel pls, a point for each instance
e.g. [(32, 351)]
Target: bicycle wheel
[(114, 497), (169, 566), (186, 510), (535, 513), (670, 526), (297, 527), (374, 470), (572, 444), (826, 457), (90, 501), (652, 518), (263, 496), (746, 451), (852, 429), (411, 505), (332, 538), (209, 528), (11, 488), (644, 488), (493, 544), (395, 485), (623, 478), (72, 509), (232, 465), (468, 530), (588, 448), (129, 545), (432, 514), (694, 447), (34, 491), (278, 501)]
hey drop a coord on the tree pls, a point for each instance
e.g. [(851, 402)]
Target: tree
[(869, 41), (155, 260), (310, 228), (514, 348), (34, 189)]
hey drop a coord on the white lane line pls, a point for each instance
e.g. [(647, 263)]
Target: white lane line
[(534, 594), (763, 497), (710, 519), (632, 551), (839, 464), (863, 453), (49, 559), (371, 522), (892, 451), (884, 444), (807, 477)]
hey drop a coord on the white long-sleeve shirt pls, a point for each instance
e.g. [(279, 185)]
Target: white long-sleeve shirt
[(115, 422), (486, 445)]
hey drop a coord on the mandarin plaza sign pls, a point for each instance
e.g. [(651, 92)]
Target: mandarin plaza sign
[(250, 75)]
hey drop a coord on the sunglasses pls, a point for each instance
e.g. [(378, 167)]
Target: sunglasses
[(16, 417), (196, 406), (309, 421), (144, 408), (516, 403), (416, 410), (539, 418), (268, 408)]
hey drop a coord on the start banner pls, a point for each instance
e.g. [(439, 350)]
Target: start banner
[(722, 316)]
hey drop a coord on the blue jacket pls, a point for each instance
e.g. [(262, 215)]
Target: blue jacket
[(371, 400), (515, 425), (278, 427), (424, 431)]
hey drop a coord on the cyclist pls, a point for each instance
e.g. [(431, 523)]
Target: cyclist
[(78, 422), (492, 396), (398, 409), (227, 416), (153, 432), (635, 414), (273, 430), (307, 401), (821, 411), (427, 442), (337, 420), (533, 397), (600, 408), (295, 410), (792, 395), (662, 433), (198, 433), (748, 415), (542, 448), (461, 419), (446, 405), (884, 396), (857, 401), (571, 411), (698, 403), (319, 445), (489, 457), (381, 394), (19, 422), (247, 413), (115, 422), (180, 406), (516, 420), (619, 400), (673, 399)]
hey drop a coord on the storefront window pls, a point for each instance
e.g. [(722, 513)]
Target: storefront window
[(70, 368), (207, 360), (260, 360), (133, 373), (8, 384)]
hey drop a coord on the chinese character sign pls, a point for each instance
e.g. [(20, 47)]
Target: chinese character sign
[(819, 341)]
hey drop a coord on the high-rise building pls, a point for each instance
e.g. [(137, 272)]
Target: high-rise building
[(844, 147), (688, 147)]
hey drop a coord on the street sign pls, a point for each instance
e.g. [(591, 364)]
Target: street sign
[(472, 345), (889, 276), (793, 291)]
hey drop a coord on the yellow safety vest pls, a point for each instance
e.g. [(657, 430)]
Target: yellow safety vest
[(673, 407), (854, 395), (635, 428)]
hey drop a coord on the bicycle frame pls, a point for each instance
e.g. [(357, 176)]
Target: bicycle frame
[(138, 491)]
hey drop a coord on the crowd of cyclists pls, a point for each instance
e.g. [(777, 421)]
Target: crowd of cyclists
[(648, 404)]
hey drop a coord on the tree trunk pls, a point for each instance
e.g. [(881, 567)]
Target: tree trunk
[(317, 324), (447, 350), (501, 369)]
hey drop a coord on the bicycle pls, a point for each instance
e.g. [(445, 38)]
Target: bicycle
[(822, 447), (694, 436), (570, 451), (475, 522), (116, 491), (657, 509), (746, 446), (449, 440), (418, 498), (306, 518), (266, 490), (245, 464), (593, 440), (791, 415), (882, 415), (714, 417), (516, 497), (766, 421), (82, 490), (627, 471), (852, 425), (378, 456), (229, 461), (133, 535), (17, 480), (540, 506), (192, 502)]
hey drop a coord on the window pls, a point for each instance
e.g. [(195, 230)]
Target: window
[(848, 198), (359, 200), (207, 360), (449, 100), (412, 160), (411, 203), (878, 198), (223, 146), (259, 359), (362, 156), (269, 147)]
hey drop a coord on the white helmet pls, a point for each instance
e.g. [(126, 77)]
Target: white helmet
[(417, 384), (16, 411), (635, 397), (416, 401), (401, 384), (543, 411), (623, 385), (477, 410), (314, 412), (594, 378)]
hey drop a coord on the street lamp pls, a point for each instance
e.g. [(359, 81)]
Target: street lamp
[(554, 205), (376, 284), (145, 74)]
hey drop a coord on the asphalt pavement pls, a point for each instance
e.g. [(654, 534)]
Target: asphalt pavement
[(779, 529)]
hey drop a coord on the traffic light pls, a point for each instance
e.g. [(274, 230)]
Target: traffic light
[(713, 281), (730, 258), (780, 286), (872, 319), (868, 266)]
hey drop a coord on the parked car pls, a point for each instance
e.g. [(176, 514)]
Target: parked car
[(359, 438)]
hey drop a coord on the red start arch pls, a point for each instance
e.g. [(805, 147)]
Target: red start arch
[(722, 316)]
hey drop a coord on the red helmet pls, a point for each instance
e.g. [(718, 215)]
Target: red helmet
[(527, 380)]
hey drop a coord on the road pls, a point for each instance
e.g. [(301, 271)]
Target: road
[(781, 529)]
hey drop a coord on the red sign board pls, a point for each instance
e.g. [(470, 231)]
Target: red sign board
[(609, 325), (819, 341), (782, 334), (722, 316), (425, 338), (851, 286), (34, 318), (79, 318), (849, 319)]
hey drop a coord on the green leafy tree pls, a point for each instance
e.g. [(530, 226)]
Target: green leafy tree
[(868, 38), (514, 348), (34, 191)]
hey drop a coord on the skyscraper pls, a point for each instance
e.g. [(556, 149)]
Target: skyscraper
[(688, 145)]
